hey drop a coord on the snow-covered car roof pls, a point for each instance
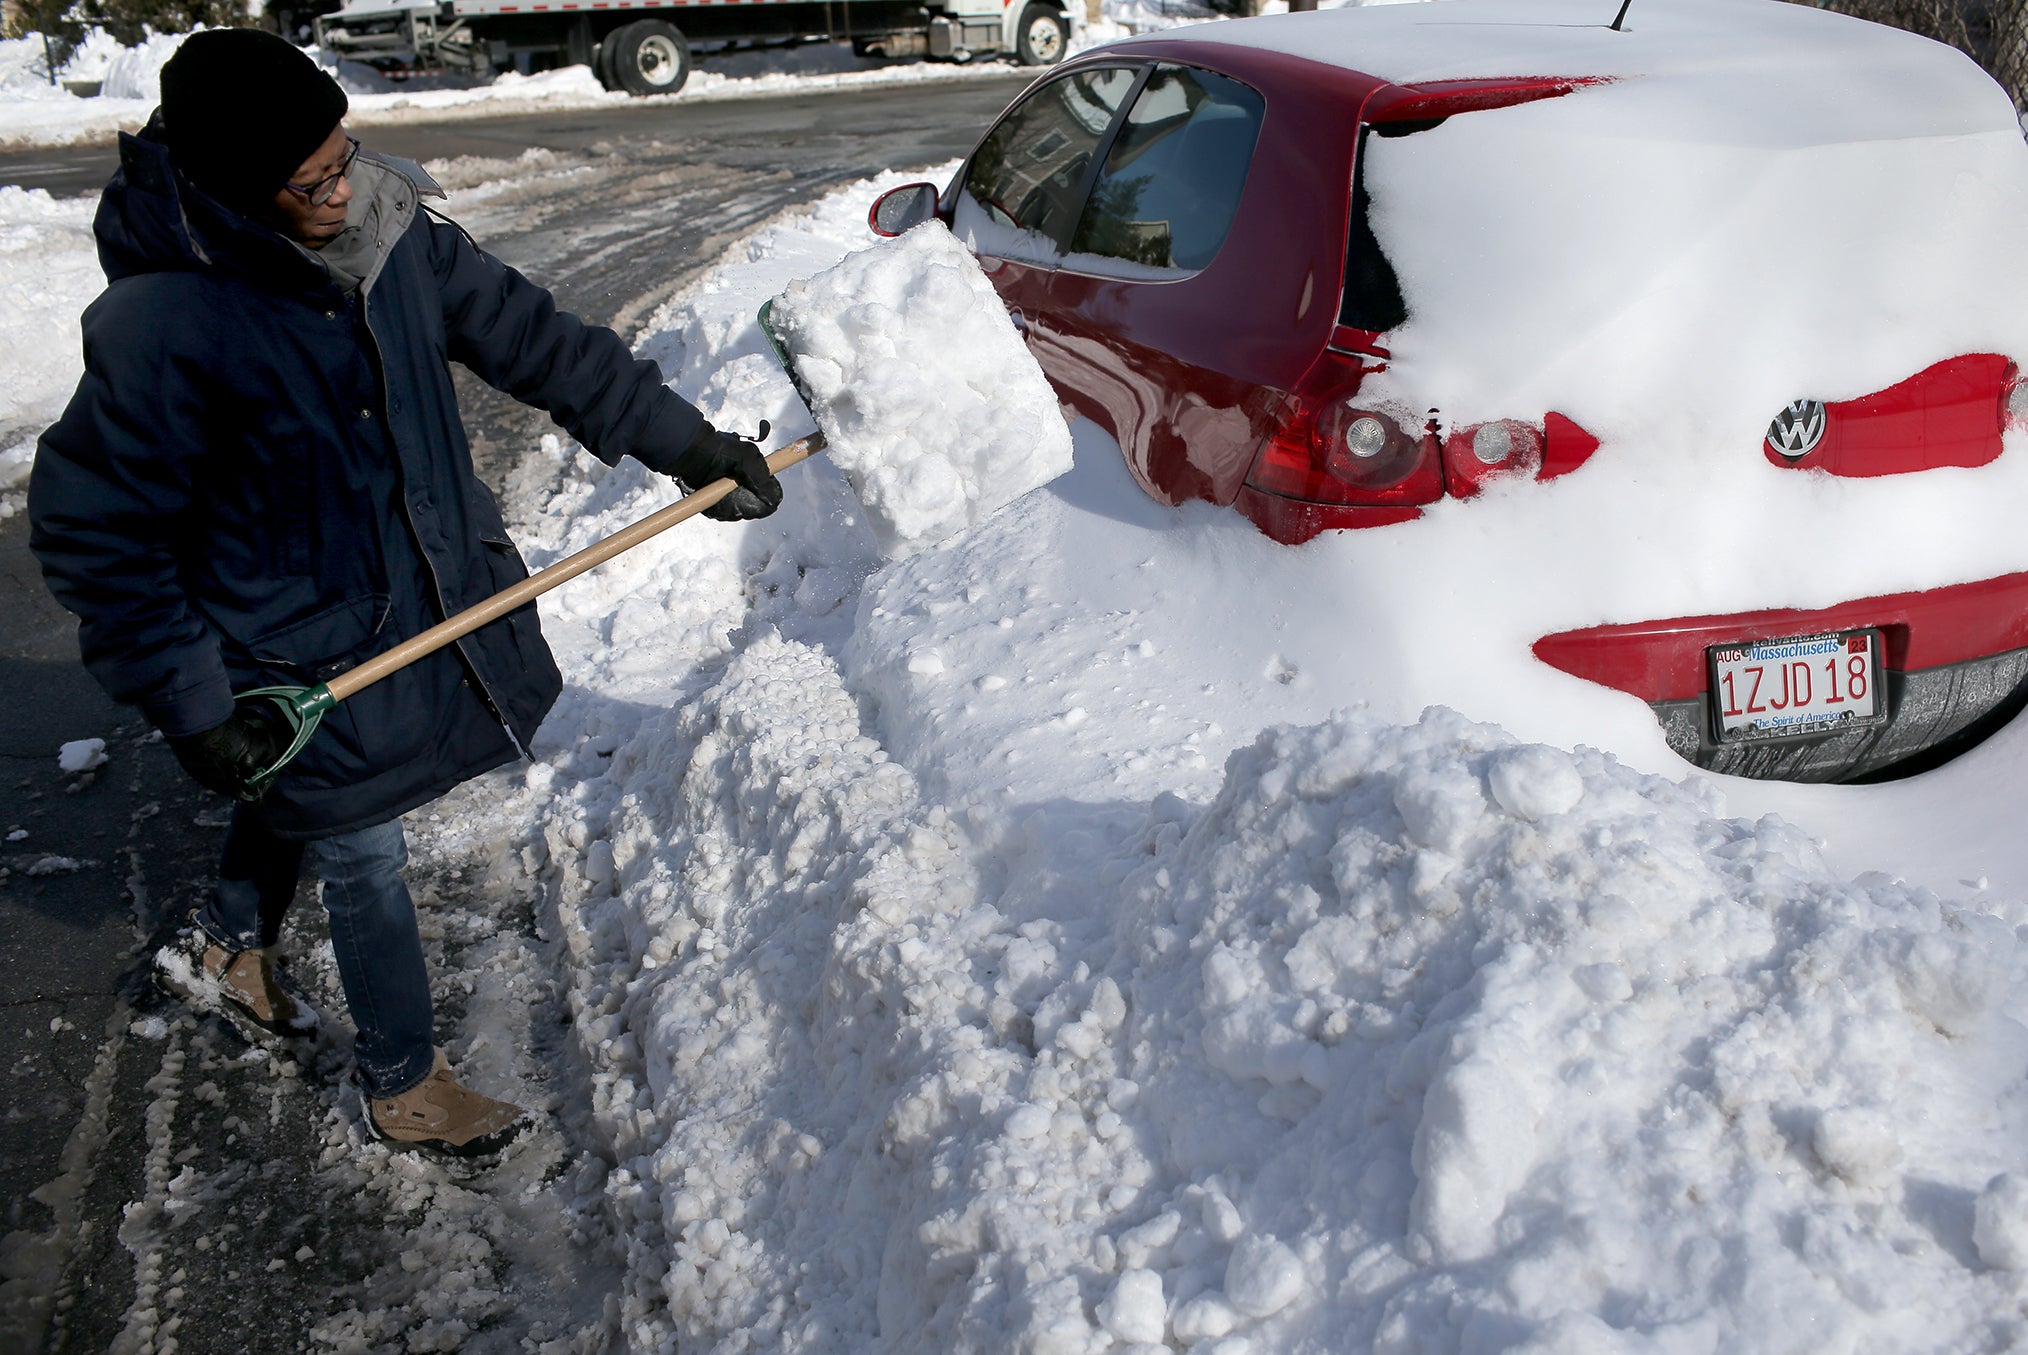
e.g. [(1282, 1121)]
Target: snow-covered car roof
[(1835, 78)]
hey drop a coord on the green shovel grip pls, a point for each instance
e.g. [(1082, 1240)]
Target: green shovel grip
[(302, 709)]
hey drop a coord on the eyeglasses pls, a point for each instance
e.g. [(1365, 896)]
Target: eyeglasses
[(320, 192)]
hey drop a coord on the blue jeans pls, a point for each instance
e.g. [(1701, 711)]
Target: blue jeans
[(373, 933)]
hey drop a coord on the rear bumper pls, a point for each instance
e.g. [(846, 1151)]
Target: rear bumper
[(1954, 663), (1933, 714)]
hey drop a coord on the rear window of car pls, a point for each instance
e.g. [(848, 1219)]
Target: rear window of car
[(1172, 179), (1373, 299)]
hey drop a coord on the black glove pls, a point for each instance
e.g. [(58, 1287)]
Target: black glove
[(717, 456), (226, 758)]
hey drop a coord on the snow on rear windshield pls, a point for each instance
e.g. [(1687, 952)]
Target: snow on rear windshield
[(1754, 56), (1655, 252)]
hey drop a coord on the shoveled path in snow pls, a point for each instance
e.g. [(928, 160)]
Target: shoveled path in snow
[(161, 1181)]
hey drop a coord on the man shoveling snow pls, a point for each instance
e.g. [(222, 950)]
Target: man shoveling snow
[(263, 478), (257, 311)]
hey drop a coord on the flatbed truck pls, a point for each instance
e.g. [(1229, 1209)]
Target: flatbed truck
[(644, 46)]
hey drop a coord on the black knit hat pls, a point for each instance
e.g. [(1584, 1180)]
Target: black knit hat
[(242, 110)]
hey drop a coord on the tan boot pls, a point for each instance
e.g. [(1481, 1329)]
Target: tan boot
[(251, 988), (441, 1116)]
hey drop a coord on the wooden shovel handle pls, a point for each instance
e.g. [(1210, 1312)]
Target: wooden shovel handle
[(563, 571)]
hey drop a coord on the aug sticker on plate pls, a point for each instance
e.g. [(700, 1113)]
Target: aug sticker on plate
[(1808, 684)]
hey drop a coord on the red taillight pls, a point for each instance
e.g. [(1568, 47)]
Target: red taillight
[(1476, 454), (1330, 448), (1566, 446)]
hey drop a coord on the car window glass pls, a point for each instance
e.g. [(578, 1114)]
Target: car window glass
[(1020, 193), (1172, 179), (1373, 299)]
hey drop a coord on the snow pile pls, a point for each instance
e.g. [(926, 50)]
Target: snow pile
[(34, 112), (24, 69), (136, 72), (923, 1016), (930, 401), (124, 72), (93, 56), (51, 271), (1412, 1036), (765, 891), (1438, 1036)]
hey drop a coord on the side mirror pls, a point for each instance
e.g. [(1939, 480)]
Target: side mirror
[(903, 208)]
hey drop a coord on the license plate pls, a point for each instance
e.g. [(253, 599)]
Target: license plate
[(1808, 684)]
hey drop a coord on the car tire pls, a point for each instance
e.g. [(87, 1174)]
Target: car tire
[(648, 57), (1042, 37)]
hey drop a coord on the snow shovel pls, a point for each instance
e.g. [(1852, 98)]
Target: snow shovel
[(302, 709)]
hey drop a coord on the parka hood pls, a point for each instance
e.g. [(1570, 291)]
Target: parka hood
[(151, 220)]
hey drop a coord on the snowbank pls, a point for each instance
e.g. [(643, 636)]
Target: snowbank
[(943, 990), (34, 112), (135, 73), (49, 272), (1414, 1035), (1490, 1038)]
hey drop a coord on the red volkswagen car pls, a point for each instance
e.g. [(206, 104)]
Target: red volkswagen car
[(1343, 271)]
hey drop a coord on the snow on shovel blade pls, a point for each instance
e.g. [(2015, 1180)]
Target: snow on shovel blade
[(929, 400)]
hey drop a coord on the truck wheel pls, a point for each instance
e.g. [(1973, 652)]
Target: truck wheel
[(1041, 36), (648, 57)]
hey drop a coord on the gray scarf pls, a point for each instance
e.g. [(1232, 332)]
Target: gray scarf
[(387, 191)]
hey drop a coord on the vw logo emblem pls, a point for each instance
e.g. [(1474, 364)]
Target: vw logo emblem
[(1797, 430)]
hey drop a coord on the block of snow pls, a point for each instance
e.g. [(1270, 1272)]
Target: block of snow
[(54, 865), (2000, 1222), (1858, 1144), (82, 755), (928, 398), (1532, 782), (1136, 1310), (1263, 1276)]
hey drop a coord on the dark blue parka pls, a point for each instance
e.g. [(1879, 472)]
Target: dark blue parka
[(263, 479)]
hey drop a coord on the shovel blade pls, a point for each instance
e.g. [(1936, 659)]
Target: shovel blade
[(301, 710)]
